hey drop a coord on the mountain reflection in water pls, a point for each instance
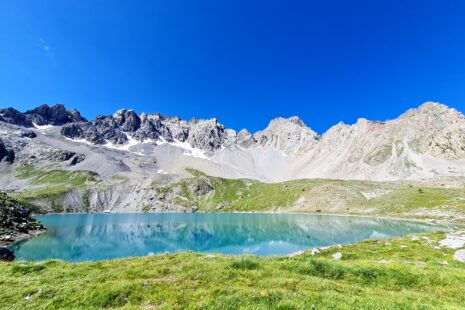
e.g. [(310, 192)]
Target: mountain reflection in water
[(80, 237)]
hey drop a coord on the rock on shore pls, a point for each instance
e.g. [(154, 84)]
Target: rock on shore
[(16, 222)]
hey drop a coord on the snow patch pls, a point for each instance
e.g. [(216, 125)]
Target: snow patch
[(125, 147), (43, 127), (188, 149), (79, 141)]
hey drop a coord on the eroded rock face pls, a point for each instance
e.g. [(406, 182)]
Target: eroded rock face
[(128, 120), (206, 135), (289, 135)]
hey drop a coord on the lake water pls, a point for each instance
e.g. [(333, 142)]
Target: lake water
[(82, 237)]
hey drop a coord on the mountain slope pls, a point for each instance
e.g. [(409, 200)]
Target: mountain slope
[(427, 142)]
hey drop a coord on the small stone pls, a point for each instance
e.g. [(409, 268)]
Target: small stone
[(337, 256), (315, 252), (415, 238), (437, 247), (403, 246), (444, 263)]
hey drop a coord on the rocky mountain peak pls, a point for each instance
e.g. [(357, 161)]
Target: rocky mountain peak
[(288, 135), (55, 115), (281, 121), (432, 110), (43, 115), (128, 120)]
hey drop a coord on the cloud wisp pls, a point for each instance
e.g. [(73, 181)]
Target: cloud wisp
[(45, 48)]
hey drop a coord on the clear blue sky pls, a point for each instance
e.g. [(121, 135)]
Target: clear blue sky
[(243, 62)]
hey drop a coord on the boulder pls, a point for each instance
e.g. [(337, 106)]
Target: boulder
[(6, 254), (460, 256), (28, 134), (200, 187)]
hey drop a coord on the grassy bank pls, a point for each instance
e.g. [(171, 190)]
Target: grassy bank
[(419, 200), (44, 183), (390, 274)]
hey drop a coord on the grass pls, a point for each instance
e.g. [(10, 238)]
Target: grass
[(375, 274), (239, 195), (46, 183)]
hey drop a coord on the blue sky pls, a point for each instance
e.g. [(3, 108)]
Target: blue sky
[(243, 62)]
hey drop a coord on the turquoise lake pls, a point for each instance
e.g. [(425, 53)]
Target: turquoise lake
[(90, 237)]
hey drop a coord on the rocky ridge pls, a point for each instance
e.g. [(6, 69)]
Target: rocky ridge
[(426, 142), (41, 116)]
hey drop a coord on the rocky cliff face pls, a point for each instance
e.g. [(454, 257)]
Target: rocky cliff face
[(425, 142), (206, 135), (287, 135)]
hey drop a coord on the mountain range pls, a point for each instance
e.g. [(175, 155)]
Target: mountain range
[(426, 142)]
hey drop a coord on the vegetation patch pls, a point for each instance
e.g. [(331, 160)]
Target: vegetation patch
[(399, 199), (46, 183), (375, 274)]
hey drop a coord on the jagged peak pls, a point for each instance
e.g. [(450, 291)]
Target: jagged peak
[(432, 109), (244, 131), (122, 111), (42, 115), (282, 120)]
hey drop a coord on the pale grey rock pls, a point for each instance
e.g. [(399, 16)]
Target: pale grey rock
[(287, 135), (315, 252), (460, 256), (453, 240)]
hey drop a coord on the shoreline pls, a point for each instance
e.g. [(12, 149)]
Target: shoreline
[(430, 221), (21, 237)]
